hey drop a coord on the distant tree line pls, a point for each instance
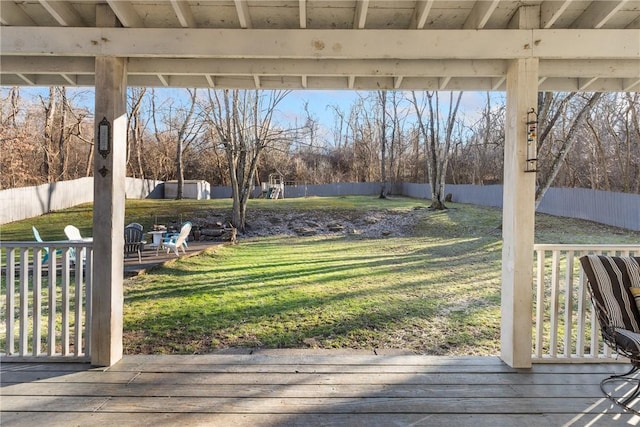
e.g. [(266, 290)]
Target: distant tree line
[(237, 138)]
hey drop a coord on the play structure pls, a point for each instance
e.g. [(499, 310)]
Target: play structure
[(274, 189)]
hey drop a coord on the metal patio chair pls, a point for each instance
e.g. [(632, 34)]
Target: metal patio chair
[(614, 288), (133, 241)]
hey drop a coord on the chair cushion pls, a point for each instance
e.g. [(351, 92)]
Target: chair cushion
[(636, 296), (610, 279), (627, 341)]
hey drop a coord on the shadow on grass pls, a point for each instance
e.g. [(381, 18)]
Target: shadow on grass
[(393, 293)]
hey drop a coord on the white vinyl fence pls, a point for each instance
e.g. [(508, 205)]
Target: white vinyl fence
[(27, 202)]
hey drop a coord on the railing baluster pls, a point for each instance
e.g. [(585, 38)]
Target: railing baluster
[(53, 297), (37, 301), (11, 300), (88, 303), (539, 345), (555, 267), (568, 304), (582, 297), (79, 267), (23, 342), (64, 338)]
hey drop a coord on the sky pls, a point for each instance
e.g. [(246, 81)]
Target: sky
[(320, 102)]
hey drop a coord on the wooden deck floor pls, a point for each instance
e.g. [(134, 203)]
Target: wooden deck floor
[(297, 388)]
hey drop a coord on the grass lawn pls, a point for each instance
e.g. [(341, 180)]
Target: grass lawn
[(436, 291)]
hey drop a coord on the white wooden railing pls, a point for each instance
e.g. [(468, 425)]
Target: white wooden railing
[(46, 306), (48, 316), (565, 328)]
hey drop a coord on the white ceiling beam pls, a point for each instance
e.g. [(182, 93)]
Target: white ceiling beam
[(576, 44), (242, 9), (302, 8), (126, 14), (303, 81), (63, 13), (420, 14), (480, 14), (583, 84), (268, 67), (47, 65), (163, 80), (591, 68), (183, 13), (630, 84), (256, 81), (397, 82), (12, 14), (29, 80), (360, 18), (210, 80), (551, 11), (317, 44), (351, 82), (496, 83), (598, 13), (635, 24), (443, 82), (72, 81)]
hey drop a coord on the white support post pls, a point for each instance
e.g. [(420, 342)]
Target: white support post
[(108, 212), (518, 216)]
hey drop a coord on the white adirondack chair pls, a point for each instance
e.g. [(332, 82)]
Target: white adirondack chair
[(175, 243)]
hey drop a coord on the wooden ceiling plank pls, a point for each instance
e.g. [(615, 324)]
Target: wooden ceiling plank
[(63, 13), (480, 14), (420, 14), (71, 80), (629, 84), (183, 13), (598, 14), (163, 80), (551, 11), (12, 14), (30, 80), (360, 18), (126, 14), (242, 9), (302, 8)]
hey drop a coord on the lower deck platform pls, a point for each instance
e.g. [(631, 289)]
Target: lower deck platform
[(307, 388)]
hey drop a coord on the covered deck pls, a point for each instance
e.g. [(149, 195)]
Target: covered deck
[(308, 387)]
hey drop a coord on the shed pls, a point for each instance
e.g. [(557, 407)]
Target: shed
[(193, 189)]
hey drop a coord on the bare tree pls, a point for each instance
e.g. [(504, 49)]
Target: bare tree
[(382, 99), (245, 125), (135, 132), (188, 131), (558, 152), (438, 143)]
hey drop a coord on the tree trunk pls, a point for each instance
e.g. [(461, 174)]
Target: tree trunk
[(382, 95), (558, 160)]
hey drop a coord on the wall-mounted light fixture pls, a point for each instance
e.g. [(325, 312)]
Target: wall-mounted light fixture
[(532, 141), (104, 137)]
